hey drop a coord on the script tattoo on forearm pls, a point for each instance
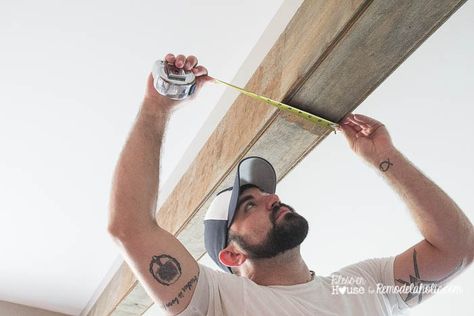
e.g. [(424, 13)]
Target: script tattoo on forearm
[(419, 286), (385, 165), (165, 269), (187, 287)]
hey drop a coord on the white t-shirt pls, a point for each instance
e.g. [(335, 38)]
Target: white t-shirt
[(349, 291)]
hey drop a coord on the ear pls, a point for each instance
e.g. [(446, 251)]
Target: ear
[(231, 256)]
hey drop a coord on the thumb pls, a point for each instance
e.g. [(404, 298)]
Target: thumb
[(349, 132), (202, 80)]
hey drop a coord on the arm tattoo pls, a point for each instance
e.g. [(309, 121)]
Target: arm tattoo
[(187, 287), (384, 165), (418, 286), (165, 269)]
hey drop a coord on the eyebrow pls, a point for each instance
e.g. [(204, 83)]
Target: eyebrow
[(243, 200)]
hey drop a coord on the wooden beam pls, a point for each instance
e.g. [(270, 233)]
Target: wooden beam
[(115, 291), (330, 57)]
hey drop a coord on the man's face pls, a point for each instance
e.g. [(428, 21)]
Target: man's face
[(264, 227)]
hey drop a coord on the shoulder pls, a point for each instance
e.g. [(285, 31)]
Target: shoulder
[(220, 280), (368, 271), (375, 275)]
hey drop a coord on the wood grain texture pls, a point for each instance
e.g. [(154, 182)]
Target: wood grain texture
[(329, 58), (385, 34), (115, 292), (313, 29)]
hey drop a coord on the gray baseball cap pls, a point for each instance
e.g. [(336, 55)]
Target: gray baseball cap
[(220, 214)]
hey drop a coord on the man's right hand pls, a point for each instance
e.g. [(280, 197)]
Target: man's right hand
[(182, 62)]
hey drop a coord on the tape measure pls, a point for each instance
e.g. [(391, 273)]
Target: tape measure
[(284, 107), (175, 83), (178, 84)]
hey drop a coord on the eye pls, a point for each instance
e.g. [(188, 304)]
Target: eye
[(249, 205)]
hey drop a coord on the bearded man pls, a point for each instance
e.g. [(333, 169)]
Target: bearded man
[(255, 238)]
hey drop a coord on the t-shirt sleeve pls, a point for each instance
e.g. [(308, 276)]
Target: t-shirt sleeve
[(215, 292), (378, 273), (200, 301)]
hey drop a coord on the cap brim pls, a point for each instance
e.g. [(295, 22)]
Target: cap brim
[(251, 170)]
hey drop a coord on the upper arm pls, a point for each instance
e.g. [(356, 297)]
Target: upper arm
[(425, 269), (164, 267)]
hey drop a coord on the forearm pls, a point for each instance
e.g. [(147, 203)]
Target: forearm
[(136, 179), (440, 220)]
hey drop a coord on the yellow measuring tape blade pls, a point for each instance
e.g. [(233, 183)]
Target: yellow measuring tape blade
[(284, 107)]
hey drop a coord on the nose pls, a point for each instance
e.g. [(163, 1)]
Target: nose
[(271, 199)]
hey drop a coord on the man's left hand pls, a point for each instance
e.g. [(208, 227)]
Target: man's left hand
[(189, 63)]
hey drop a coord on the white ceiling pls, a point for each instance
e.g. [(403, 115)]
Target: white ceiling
[(72, 77), (71, 80)]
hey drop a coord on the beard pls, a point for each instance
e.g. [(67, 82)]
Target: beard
[(287, 234)]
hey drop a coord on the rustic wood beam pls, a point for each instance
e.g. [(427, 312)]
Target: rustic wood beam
[(330, 57)]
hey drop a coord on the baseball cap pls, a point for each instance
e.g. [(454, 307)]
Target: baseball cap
[(220, 214)]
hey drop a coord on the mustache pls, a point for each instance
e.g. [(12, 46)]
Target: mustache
[(276, 208)]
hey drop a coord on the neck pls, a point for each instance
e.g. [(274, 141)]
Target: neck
[(287, 268)]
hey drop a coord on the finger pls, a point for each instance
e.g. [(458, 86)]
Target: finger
[(365, 119), (369, 125), (170, 58), (191, 62), (345, 119), (349, 132), (180, 59), (206, 79), (360, 125), (354, 121), (199, 71), (349, 118), (354, 125)]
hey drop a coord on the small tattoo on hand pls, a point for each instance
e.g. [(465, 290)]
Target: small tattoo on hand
[(165, 269), (384, 165)]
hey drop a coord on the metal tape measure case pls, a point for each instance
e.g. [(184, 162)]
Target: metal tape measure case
[(175, 83)]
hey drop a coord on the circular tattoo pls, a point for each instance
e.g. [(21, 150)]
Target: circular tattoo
[(165, 269), (384, 165)]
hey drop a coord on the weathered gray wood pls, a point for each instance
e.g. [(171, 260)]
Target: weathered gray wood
[(329, 58), (377, 43)]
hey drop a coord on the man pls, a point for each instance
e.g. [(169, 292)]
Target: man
[(255, 238)]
